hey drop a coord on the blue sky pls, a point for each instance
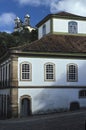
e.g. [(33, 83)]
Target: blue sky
[(37, 9)]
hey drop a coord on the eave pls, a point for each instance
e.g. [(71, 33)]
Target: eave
[(49, 16), (49, 54)]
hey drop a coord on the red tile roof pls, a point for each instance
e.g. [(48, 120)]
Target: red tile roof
[(69, 14), (57, 43)]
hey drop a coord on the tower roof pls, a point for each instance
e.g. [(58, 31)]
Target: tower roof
[(17, 19), (27, 16)]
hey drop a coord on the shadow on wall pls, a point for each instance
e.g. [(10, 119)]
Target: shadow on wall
[(50, 100), (59, 99)]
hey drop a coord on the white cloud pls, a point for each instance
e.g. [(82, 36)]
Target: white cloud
[(36, 2), (7, 19), (7, 31), (73, 6), (7, 22)]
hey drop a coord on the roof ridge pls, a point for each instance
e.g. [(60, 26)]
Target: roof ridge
[(69, 13)]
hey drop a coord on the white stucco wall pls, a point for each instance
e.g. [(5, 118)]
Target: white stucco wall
[(60, 72), (61, 25), (51, 99), (41, 27), (45, 100)]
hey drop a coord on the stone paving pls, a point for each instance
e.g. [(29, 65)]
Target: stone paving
[(59, 121)]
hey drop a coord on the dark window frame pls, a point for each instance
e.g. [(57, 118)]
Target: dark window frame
[(44, 30), (82, 94), (72, 72), (73, 27), (26, 71), (49, 70)]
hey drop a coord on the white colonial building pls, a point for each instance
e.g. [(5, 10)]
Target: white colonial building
[(49, 74)]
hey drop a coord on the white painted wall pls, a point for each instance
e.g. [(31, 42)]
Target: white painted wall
[(61, 25), (60, 72), (52, 99), (45, 100), (41, 27)]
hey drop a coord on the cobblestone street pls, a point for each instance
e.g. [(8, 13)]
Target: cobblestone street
[(59, 121)]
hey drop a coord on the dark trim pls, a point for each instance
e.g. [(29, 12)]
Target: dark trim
[(53, 87), (47, 87), (51, 25)]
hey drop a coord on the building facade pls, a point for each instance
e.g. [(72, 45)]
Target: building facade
[(62, 23), (49, 74)]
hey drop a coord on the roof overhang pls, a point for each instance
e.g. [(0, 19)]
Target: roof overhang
[(62, 15), (49, 54)]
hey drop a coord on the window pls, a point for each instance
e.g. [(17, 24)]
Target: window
[(25, 71), (44, 30), (49, 72), (0, 75), (3, 75), (9, 73), (72, 73), (72, 27), (82, 94), (6, 75)]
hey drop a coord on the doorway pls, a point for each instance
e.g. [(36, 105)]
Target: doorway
[(25, 106)]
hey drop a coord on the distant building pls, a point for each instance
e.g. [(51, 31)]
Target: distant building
[(20, 26), (48, 75)]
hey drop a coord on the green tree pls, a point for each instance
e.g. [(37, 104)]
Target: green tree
[(16, 39)]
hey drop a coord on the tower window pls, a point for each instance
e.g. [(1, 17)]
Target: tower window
[(72, 27), (44, 30)]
